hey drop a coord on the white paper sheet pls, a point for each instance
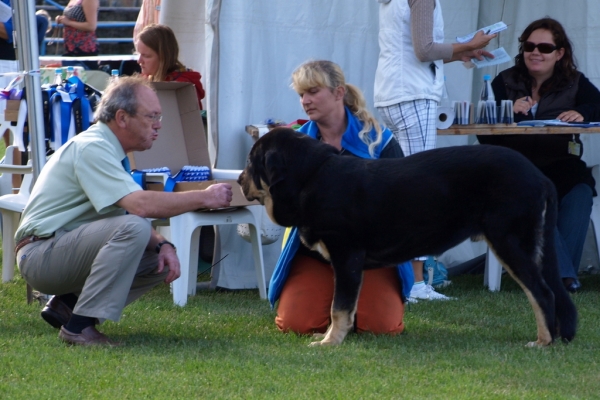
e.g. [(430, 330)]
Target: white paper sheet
[(500, 57), (5, 12), (488, 30)]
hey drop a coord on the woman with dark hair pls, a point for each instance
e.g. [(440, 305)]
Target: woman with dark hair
[(158, 52), (545, 84)]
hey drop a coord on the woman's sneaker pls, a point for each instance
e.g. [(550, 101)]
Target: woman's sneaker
[(426, 292)]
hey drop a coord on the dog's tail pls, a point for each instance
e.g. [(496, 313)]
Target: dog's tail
[(566, 313)]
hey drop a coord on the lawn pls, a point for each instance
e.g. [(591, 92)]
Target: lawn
[(225, 345)]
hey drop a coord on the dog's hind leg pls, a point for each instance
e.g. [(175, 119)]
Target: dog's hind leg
[(348, 275), (566, 313), (524, 266)]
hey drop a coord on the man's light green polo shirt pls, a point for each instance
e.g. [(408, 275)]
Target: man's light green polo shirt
[(80, 183)]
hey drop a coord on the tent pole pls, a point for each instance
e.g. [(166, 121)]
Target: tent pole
[(28, 55)]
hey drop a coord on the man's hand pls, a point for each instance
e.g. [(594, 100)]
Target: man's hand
[(152, 204), (218, 195), (168, 257)]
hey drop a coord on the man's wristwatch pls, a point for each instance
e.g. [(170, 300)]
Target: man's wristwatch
[(158, 246)]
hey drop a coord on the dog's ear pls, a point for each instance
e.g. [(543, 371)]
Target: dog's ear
[(275, 167), (283, 187)]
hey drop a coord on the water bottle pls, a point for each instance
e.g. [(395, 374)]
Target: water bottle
[(70, 71), (486, 109), (114, 75), (58, 76), (486, 91)]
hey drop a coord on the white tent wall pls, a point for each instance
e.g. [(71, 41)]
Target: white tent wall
[(188, 25), (262, 42), (252, 47)]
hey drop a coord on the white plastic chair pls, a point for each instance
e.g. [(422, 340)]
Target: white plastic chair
[(595, 215), (97, 79), (16, 130), (185, 234), (6, 179), (11, 207), (492, 275)]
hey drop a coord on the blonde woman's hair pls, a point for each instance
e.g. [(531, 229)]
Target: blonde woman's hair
[(162, 40), (45, 14), (327, 74)]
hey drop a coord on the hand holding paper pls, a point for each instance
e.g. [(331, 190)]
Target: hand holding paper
[(500, 57), (488, 30)]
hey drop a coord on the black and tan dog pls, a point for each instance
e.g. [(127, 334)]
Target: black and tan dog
[(363, 214)]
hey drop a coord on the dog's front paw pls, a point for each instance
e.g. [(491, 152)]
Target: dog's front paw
[(318, 336), (323, 342), (537, 344)]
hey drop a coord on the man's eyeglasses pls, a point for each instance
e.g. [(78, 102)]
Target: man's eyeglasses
[(544, 48), (154, 117)]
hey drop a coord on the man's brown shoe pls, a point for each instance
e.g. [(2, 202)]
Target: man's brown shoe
[(88, 337), (56, 312)]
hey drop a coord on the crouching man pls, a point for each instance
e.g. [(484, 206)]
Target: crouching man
[(84, 236)]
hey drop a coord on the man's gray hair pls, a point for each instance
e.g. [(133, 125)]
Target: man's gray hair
[(120, 95)]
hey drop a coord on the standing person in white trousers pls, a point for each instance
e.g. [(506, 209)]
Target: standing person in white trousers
[(409, 82)]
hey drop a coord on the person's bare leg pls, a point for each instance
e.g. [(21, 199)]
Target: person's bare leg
[(418, 270), (421, 290)]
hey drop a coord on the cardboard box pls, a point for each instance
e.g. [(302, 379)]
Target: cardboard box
[(181, 140), (11, 113), (258, 130)]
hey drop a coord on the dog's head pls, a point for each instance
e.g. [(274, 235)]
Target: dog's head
[(278, 166)]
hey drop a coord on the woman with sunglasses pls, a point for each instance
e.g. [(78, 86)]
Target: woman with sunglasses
[(545, 84)]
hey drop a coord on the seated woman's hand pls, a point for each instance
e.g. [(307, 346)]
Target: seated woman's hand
[(523, 105), (570, 116)]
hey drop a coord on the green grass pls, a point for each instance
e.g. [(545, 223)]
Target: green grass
[(225, 345)]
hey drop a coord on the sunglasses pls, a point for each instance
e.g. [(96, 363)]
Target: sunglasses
[(544, 48)]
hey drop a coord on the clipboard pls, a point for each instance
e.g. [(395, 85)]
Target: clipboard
[(557, 122)]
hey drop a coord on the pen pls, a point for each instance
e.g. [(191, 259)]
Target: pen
[(488, 31)]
